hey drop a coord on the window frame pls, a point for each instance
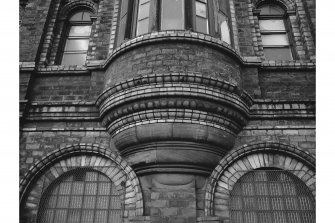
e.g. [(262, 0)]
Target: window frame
[(282, 17), (66, 36), (155, 15)]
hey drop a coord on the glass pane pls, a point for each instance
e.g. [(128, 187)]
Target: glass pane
[(80, 31), (201, 25), (78, 187), (271, 10), (277, 53), (87, 216), (172, 14), (225, 34), (76, 44), (65, 188), (143, 11), (102, 202), (81, 16), (271, 25), (101, 217), (142, 26), (63, 202), (60, 216), (275, 40), (201, 9), (104, 189), (89, 202), (76, 202), (91, 188), (74, 59), (73, 216), (91, 176)]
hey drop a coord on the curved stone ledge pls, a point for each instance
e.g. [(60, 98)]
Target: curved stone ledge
[(191, 109)]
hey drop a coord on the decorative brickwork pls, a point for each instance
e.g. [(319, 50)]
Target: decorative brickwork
[(60, 161), (250, 157), (185, 111)]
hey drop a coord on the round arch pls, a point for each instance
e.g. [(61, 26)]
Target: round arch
[(63, 160), (250, 157), (288, 5), (77, 5)]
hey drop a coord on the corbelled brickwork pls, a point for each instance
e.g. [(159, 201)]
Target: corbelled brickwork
[(173, 118)]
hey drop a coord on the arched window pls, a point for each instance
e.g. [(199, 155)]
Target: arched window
[(80, 196), (276, 43), (77, 39), (277, 196), (138, 17)]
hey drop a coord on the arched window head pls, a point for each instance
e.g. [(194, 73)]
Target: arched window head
[(278, 196), (81, 195), (77, 38), (276, 43)]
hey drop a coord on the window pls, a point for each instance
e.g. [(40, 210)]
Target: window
[(172, 14), (82, 195), (277, 196), (139, 17), (275, 39), (201, 16), (77, 39), (143, 17)]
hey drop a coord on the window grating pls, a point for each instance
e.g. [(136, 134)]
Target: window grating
[(276, 196), (79, 196)]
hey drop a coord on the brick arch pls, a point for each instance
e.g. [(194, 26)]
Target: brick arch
[(77, 4), (60, 161), (250, 157), (287, 4)]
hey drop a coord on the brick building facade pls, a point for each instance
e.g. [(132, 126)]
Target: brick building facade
[(167, 111)]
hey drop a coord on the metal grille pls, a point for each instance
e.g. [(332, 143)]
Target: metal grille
[(80, 196), (276, 196)]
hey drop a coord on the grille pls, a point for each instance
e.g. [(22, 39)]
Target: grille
[(81, 195), (276, 196)]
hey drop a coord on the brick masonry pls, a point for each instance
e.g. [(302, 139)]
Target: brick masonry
[(60, 114)]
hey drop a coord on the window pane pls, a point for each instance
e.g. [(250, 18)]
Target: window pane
[(225, 34), (201, 9), (74, 59), (275, 40), (143, 10), (271, 25), (271, 10), (277, 53), (81, 16), (80, 31), (201, 25), (76, 44), (142, 27), (172, 14)]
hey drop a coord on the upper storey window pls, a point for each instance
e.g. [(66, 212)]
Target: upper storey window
[(77, 39), (138, 17), (274, 34), (172, 14)]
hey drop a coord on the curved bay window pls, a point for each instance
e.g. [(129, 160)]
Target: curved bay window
[(276, 43), (277, 196), (77, 39), (82, 195), (138, 17)]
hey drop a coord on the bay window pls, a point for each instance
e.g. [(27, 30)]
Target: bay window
[(139, 17)]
